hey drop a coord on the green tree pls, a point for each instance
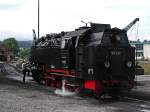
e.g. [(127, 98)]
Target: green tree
[(12, 44), (24, 53)]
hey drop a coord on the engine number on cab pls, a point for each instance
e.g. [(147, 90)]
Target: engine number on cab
[(115, 53)]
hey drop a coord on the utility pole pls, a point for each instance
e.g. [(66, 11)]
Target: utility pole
[(38, 19)]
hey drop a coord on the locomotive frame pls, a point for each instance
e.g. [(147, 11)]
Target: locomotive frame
[(96, 58)]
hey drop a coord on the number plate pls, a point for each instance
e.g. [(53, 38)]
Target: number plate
[(115, 53)]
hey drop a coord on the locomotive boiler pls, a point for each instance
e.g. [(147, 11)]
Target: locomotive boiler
[(97, 58)]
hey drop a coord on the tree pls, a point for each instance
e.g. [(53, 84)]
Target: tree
[(12, 44), (24, 53)]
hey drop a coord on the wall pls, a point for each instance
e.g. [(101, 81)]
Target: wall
[(147, 50)]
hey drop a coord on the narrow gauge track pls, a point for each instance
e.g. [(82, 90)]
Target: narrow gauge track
[(136, 100), (2, 67), (123, 99), (134, 104)]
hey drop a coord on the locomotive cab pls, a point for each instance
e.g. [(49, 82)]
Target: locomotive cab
[(106, 57)]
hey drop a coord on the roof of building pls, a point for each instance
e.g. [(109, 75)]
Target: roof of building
[(148, 42), (139, 42)]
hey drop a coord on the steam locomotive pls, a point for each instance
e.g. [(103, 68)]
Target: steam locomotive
[(98, 59)]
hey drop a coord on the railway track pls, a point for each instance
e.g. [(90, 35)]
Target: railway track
[(136, 105), (2, 68), (136, 100)]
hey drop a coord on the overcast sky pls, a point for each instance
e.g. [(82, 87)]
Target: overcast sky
[(19, 17)]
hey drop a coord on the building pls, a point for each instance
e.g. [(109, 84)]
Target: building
[(147, 50), (142, 49), (139, 48), (5, 54)]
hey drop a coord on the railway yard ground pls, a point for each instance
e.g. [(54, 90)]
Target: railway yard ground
[(16, 96), (146, 66)]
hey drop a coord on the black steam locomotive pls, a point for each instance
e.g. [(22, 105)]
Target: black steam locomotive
[(96, 58)]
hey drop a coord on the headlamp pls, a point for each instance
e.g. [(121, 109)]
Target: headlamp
[(107, 64), (129, 64)]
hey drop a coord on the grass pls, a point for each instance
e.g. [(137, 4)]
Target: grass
[(146, 66)]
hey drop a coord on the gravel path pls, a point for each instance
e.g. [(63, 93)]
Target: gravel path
[(16, 96)]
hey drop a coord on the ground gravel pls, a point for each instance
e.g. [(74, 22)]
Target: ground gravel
[(16, 96)]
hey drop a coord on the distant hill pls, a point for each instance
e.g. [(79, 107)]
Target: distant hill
[(25, 44)]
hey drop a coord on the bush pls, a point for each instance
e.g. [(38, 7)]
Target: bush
[(146, 66), (24, 53)]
